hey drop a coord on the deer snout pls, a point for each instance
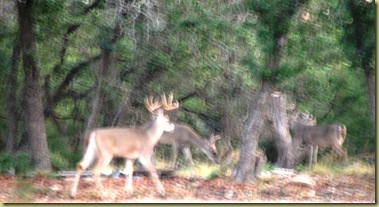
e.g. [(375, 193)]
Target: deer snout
[(215, 158)]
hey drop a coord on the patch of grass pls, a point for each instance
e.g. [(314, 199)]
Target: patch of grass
[(358, 167), (268, 167), (204, 170), (24, 191), (329, 164), (300, 167)]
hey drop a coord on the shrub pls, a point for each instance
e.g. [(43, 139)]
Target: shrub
[(58, 162), (20, 162)]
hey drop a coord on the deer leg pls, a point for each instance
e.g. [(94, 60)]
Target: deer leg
[(315, 151), (310, 155), (87, 160), (153, 173), (79, 170), (100, 165), (345, 157), (129, 174), (187, 154), (174, 156)]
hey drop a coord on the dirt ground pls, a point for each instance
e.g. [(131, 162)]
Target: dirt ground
[(273, 188)]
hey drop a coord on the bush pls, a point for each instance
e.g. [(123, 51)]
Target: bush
[(20, 162), (58, 162)]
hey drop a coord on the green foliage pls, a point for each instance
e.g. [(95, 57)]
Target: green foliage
[(217, 50), (300, 167), (268, 166), (58, 162), (20, 162)]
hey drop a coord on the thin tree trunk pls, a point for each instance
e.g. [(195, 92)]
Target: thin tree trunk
[(103, 73), (119, 119), (32, 90), (370, 86), (99, 94), (227, 149), (12, 91)]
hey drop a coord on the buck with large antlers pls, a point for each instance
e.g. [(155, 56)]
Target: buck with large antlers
[(129, 143), (314, 136), (183, 137)]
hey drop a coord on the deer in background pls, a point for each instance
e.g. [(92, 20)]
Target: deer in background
[(129, 143), (305, 127), (183, 137)]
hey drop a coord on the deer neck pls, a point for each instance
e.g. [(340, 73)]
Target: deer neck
[(199, 142), (154, 131)]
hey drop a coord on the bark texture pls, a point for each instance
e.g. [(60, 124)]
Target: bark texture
[(249, 141), (34, 116), (11, 100)]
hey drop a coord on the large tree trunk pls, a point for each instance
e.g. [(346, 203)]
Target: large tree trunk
[(254, 122), (252, 130), (282, 138), (32, 90), (11, 100)]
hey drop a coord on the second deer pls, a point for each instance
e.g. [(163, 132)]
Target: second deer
[(314, 136), (184, 137)]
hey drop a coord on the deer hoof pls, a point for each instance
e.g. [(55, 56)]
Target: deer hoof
[(72, 194), (162, 192), (129, 192)]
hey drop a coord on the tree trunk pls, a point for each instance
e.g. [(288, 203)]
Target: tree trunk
[(227, 149), (282, 136), (370, 86), (103, 74), (99, 94), (365, 50), (32, 90), (120, 117), (254, 123), (252, 130), (11, 100)]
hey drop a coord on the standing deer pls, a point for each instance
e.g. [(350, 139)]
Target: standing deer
[(314, 136), (183, 137), (130, 143)]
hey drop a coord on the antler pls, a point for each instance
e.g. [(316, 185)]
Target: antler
[(309, 118), (152, 105), (168, 105), (214, 138), (291, 107)]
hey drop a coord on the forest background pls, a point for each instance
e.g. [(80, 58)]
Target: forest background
[(68, 66)]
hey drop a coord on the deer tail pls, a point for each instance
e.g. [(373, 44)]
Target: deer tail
[(86, 138), (343, 131)]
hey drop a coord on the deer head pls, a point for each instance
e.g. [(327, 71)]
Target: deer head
[(212, 145)]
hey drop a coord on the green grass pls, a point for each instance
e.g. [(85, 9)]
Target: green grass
[(355, 165), (204, 170)]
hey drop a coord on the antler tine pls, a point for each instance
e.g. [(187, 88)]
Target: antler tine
[(215, 138), (291, 107), (168, 105), (152, 105)]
